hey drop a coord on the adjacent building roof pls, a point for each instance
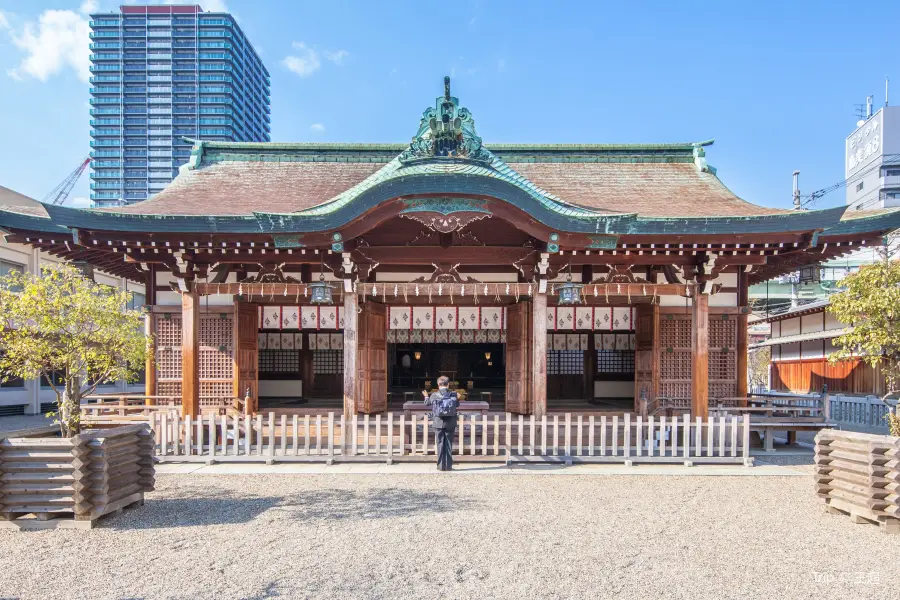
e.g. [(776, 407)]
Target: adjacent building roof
[(812, 336)]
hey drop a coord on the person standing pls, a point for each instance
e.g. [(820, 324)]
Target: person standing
[(443, 408)]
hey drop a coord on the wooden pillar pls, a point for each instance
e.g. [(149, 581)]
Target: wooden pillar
[(351, 341), (700, 353), (150, 375), (742, 341), (539, 355), (190, 354), (150, 361), (590, 369)]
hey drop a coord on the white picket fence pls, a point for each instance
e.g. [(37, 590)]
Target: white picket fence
[(511, 438)]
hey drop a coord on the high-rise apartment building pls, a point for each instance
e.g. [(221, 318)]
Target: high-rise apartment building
[(159, 74)]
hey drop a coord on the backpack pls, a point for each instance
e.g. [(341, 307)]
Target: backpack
[(445, 405)]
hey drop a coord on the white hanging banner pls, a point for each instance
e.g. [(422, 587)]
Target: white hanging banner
[(298, 341), (559, 341), (573, 341), (290, 317), (262, 341), (309, 317), (565, 318), (469, 317), (287, 341), (328, 318), (274, 341), (340, 317), (337, 341), (399, 317), (551, 318), (422, 318), (621, 318), (445, 317), (491, 318), (584, 317), (271, 318)]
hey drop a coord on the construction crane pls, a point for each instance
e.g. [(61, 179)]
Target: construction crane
[(59, 194)]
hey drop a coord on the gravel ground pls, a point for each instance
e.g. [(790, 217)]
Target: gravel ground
[(460, 536)]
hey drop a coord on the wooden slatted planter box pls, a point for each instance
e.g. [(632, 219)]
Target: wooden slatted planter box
[(49, 482), (859, 474)]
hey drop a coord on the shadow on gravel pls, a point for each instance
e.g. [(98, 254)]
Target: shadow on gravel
[(205, 507), (384, 503), (198, 509)]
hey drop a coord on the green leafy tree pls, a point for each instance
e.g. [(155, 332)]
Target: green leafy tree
[(61, 323), (758, 369), (870, 302)]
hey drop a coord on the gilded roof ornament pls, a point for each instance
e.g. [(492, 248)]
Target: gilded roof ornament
[(446, 131)]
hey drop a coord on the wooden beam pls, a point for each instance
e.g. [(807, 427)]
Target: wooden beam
[(351, 342), (190, 354), (539, 355), (700, 354)]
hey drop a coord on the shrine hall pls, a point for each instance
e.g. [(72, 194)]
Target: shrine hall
[(537, 277)]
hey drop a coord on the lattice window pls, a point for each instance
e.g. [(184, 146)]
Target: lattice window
[(212, 392), (615, 361), (677, 364), (722, 332), (675, 333), (722, 365), (169, 388), (279, 361), (565, 362), (216, 331), (168, 330), (675, 389), (328, 362), (216, 364)]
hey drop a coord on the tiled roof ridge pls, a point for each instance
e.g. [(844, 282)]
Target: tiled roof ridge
[(217, 151)]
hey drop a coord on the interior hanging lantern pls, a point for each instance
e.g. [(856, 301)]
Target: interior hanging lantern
[(321, 291), (569, 293)]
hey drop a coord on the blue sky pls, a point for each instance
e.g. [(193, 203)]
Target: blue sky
[(775, 83)]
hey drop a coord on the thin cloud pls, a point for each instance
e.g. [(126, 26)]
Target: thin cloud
[(305, 62), (337, 57), (58, 40), (317, 127)]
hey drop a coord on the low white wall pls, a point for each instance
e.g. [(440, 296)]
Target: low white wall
[(613, 389), (281, 388)]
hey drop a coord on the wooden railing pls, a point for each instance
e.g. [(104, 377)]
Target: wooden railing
[(107, 410), (670, 407), (512, 438)]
